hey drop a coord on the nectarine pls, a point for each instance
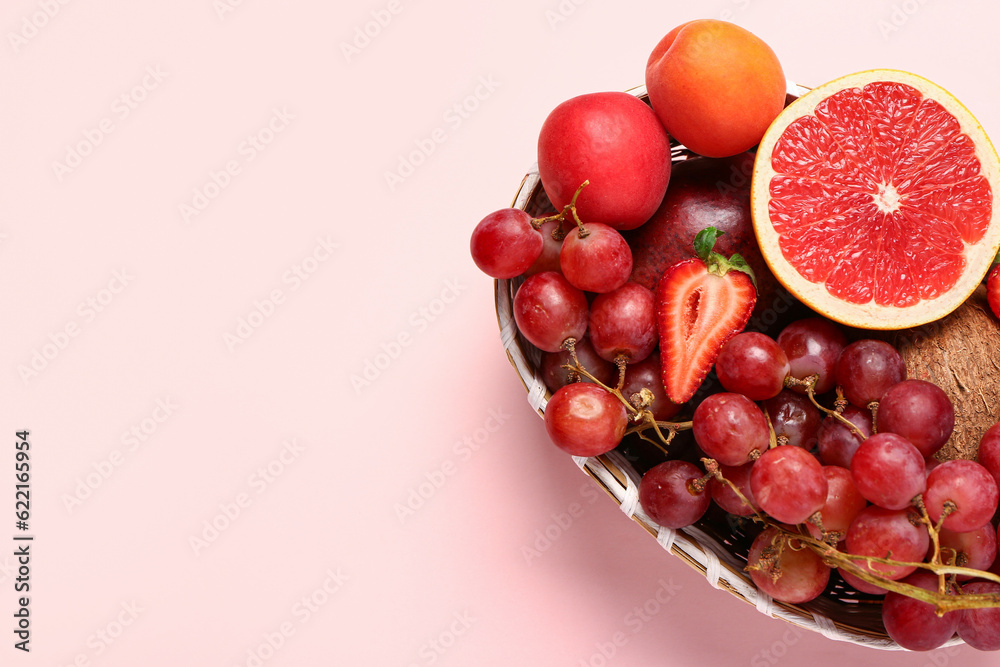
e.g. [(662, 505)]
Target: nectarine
[(715, 86)]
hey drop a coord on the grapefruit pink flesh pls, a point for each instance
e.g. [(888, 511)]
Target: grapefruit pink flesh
[(873, 201)]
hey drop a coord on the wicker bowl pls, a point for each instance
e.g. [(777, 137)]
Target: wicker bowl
[(716, 546)]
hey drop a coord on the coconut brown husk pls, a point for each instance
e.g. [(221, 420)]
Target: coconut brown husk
[(961, 354)]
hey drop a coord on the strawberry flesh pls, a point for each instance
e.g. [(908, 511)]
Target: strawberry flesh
[(697, 311)]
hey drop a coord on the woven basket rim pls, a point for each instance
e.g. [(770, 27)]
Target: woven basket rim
[(620, 480)]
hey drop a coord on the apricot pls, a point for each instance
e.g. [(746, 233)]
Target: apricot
[(715, 86), (614, 141)]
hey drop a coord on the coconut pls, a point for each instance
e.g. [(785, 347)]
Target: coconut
[(961, 354)]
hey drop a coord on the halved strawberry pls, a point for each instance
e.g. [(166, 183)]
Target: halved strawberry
[(700, 304)]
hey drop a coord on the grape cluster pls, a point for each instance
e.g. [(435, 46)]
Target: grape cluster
[(578, 306), (824, 441), (859, 482)]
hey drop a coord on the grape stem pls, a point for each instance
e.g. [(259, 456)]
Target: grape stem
[(934, 530), (857, 565), (941, 601), (810, 383), (873, 408), (772, 440), (621, 361), (840, 404), (569, 210), (641, 416), (712, 467)]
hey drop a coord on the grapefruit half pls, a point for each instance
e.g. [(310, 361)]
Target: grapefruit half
[(873, 200)]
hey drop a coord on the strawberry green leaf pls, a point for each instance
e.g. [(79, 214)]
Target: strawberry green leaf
[(717, 264), (705, 241), (737, 263)]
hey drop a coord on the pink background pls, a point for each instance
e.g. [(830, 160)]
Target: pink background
[(157, 349)]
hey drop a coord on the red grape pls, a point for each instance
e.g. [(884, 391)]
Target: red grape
[(912, 623), (548, 310), (867, 368), (837, 443), (989, 451), (812, 346), (504, 244), (646, 375), (980, 628), (792, 575), (583, 419), (729, 427), (548, 260), (666, 497), (889, 471), (920, 412), (843, 503), (752, 364), (598, 260), (725, 497), (788, 483), (995, 568), (623, 323), (967, 484), (555, 376), (894, 534), (976, 549), (795, 417)]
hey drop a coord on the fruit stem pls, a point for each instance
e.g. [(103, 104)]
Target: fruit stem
[(644, 416), (935, 535), (569, 209), (873, 408), (771, 439), (712, 467), (664, 441), (649, 422), (810, 383), (840, 404), (816, 519), (570, 346), (621, 361), (559, 233), (696, 486), (943, 603)]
